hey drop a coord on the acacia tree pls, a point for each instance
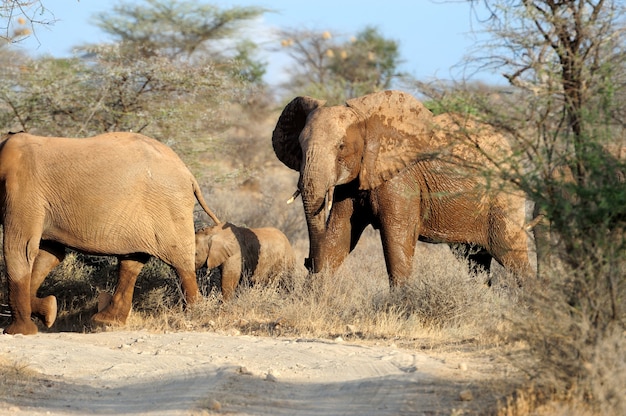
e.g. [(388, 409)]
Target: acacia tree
[(337, 68), (567, 53), (565, 63), (368, 62), (151, 79), (18, 18), (184, 30)]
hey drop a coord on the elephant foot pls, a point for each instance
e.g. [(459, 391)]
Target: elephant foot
[(191, 299), (25, 327), (107, 315), (48, 310), (104, 318)]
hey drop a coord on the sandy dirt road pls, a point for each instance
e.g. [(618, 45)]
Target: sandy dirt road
[(196, 373)]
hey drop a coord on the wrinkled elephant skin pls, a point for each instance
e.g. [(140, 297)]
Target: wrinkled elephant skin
[(385, 160), (120, 194)]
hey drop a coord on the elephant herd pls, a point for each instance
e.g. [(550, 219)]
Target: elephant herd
[(382, 160)]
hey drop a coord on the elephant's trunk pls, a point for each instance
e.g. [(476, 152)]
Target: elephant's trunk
[(317, 192), (315, 213)]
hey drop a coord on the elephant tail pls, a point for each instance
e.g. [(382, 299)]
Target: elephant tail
[(202, 202), (532, 224)]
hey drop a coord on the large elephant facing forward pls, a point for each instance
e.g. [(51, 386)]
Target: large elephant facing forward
[(121, 194), (258, 254), (384, 159)]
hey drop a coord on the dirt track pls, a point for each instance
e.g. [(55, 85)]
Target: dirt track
[(141, 373)]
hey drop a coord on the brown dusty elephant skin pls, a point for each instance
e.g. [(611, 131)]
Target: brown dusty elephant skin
[(120, 194), (384, 160), (254, 253)]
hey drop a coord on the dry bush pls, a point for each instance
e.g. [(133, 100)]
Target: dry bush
[(442, 299), (572, 352), (78, 280), (75, 283), (248, 140), (157, 302), (354, 302), (158, 288), (446, 295)]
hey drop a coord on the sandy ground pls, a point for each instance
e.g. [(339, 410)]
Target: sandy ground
[(196, 373)]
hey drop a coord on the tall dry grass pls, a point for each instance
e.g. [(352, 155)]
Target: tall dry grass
[(574, 356), (354, 302), (562, 367)]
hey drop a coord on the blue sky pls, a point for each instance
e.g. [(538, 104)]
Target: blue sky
[(434, 35)]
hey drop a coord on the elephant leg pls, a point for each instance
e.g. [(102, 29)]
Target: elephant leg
[(399, 250), (513, 252), (118, 309), (189, 284), (50, 255), (231, 274), (516, 259), (510, 241), (400, 226), (19, 257), (347, 223)]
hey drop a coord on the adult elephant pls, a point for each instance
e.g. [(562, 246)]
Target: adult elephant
[(121, 194), (256, 254), (384, 160)]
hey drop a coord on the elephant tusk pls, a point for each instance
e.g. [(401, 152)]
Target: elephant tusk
[(294, 196), (329, 201), (534, 222)]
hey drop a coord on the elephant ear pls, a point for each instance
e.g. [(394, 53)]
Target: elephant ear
[(398, 129), (290, 123), (222, 245)]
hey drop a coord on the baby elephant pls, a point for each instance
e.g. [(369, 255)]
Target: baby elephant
[(255, 253)]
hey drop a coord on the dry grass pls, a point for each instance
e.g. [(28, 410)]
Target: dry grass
[(442, 300), (353, 302), (576, 364), (441, 306)]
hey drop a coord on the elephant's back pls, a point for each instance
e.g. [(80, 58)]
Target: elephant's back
[(117, 193), (474, 143), (111, 160), (123, 148), (274, 244)]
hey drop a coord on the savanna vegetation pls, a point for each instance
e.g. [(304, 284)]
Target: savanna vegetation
[(201, 91)]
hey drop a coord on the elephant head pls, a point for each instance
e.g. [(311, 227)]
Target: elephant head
[(368, 140), (214, 245)]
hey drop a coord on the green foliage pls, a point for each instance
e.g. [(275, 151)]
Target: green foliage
[(110, 92), (337, 69), (587, 215), (187, 31), (247, 67), (454, 104), (29, 91), (173, 70), (564, 114), (178, 29), (366, 63)]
